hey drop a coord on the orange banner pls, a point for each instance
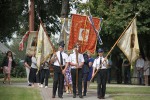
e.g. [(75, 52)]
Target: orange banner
[(83, 33)]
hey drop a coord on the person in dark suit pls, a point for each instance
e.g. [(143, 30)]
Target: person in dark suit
[(119, 69), (127, 77), (85, 71)]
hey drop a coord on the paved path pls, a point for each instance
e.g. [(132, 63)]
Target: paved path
[(91, 95)]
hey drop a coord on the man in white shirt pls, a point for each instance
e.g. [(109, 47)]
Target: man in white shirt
[(139, 67), (100, 63), (76, 63), (59, 59)]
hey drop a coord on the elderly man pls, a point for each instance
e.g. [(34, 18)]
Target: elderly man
[(140, 67)]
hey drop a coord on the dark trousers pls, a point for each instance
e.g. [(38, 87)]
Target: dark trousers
[(119, 76), (85, 78), (101, 81), (127, 79), (38, 77), (58, 81), (109, 75), (73, 74), (45, 75), (32, 75), (140, 77)]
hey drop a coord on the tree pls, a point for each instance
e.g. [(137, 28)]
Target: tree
[(14, 16), (9, 11), (117, 14)]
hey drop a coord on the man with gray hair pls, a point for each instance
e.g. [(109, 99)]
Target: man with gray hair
[(140, 67)]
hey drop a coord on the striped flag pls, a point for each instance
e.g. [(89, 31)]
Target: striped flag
[(24, 38), (96, 31)]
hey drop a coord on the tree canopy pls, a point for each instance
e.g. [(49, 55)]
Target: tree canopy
[(116, 16), (14, 16), (9, 11)]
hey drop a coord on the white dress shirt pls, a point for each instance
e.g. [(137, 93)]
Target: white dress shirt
[(96, 63), (64, 56), (72, 58)]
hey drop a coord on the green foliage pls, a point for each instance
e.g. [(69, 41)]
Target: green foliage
[(49, 11), (14, 16), (116, 16), (1, 70), (19, 71), (9, 11)]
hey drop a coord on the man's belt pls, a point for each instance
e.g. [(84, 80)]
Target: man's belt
[(59, 66)]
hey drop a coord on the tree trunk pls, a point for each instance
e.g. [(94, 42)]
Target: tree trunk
[(64, 14)]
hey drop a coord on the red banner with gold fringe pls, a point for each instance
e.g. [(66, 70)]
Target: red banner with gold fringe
[(83, 33)]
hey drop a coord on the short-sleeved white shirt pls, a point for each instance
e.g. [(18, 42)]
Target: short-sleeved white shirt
[(64, 56), (140, 63), (34, 63), (72, 58), (96, 63)]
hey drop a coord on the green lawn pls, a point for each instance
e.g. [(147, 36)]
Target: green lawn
[(132, 97), (19, 93), (129, 90), (128, 93)]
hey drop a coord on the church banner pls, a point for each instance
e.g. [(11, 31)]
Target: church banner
[(129, 42), (82, 32)]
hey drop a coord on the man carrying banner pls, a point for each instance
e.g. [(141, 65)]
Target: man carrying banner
[(76, 63), (100, 63), (59, 59)]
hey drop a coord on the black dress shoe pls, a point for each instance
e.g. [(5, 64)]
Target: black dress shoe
[(60, 96), (74, 96), (53, 96), (29, 84), (99, 97), (84, 94), (80, 96), (102, 97)]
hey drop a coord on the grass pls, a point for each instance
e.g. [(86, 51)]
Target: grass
[(129, 90), (128, 93), (19, 93), (135, 97)]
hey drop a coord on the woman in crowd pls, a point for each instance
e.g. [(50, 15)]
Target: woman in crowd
[(7, 64), (68, 80), (33, 70)]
